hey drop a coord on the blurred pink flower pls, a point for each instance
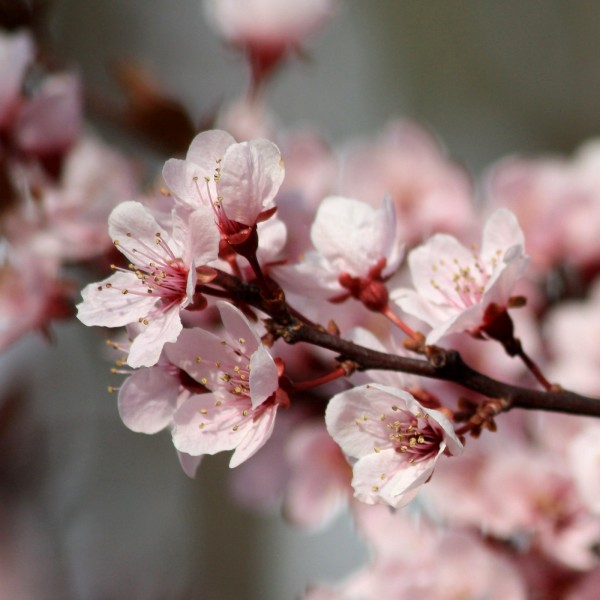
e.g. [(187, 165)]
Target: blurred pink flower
[(49, 122), (411, 559), (31, 293), (267, 30), (66, 218), (319, 481), (394, 441), (16, 54), (429, 192)]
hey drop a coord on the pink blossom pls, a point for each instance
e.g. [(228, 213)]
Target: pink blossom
[(396, 442), (16, 53), (357, 248), (411, 559), (456, 285), (49, 122), (159, 282), (572, 330), (67, 217), (319, 483), (539, 507), (267, 29), (31, 293), (238, 181), (239, 412), (557, 202), (584, 459)]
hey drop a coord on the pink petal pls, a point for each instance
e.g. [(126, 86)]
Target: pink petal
[(208, 147), (108, 307), (256, 434), (147, 399), (251, 175), (146, 347), (238, 328), (196, 352), (264, 376)]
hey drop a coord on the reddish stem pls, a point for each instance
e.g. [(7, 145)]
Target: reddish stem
[(396, 320), (312, 383)]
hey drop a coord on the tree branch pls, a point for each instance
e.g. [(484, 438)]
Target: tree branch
[(443, 364)]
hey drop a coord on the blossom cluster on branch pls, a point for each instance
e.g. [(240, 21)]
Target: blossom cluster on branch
[(358, 326)]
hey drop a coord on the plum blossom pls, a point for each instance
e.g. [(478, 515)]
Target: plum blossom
[(357, 248), (394, 441), (159, 282), (239, 412), (455, 286), (237, 180)]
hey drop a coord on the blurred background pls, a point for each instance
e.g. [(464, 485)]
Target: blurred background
[(95, 511)]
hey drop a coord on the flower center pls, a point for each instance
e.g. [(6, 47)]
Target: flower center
[(462, 286), (158, 271)]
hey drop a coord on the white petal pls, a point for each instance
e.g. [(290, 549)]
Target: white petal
[(197, 351), (208, 147)]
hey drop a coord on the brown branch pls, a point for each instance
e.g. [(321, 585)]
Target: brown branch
[(443, 364)]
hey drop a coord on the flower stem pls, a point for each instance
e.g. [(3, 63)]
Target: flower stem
[(535, 370), (396, 320), (341, 371)]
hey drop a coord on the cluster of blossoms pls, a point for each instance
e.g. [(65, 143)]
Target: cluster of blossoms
[(55, 192), (211, 292), (280, 305)]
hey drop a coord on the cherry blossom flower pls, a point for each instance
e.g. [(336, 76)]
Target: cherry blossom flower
[(238, 181), (318, 487), (395, 441), (67, 217), (455, 286), (239, 412), (31, 293), (159, 282), (49, 122), (357, 248), (411, 559)]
